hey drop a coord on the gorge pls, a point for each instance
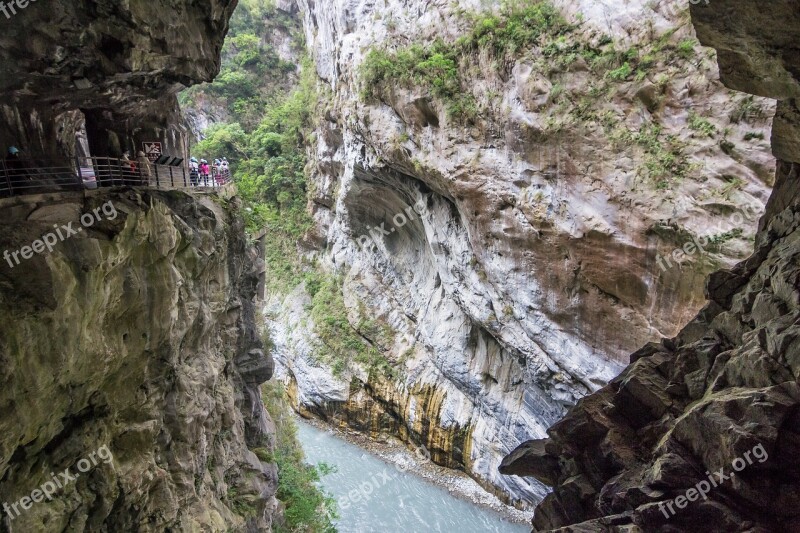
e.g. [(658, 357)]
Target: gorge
[(450, 223)]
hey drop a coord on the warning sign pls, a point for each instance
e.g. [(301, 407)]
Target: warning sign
[(152, 151)]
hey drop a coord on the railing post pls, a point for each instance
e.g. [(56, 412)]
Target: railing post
[(114, 169), (171, 179), (80, 175), (183, 171), (158, 182), (8, 179)]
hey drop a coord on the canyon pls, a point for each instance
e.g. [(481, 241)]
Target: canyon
[(463, 220), (505, 264)]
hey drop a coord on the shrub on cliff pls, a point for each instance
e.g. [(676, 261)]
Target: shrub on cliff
[(436, 67), (308, 508)]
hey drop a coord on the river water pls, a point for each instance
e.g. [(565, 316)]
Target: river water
[(374, 496)]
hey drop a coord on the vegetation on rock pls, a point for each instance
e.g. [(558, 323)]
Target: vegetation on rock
[(538, 34), (308, 508), (342, 343)]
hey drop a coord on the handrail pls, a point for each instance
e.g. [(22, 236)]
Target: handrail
[(18, 177)]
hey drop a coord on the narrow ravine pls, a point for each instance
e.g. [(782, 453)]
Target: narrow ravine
[(373, 495)]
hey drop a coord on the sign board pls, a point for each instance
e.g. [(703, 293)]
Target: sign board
[(152, 151)]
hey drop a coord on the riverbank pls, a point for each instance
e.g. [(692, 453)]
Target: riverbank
[(458, 484)]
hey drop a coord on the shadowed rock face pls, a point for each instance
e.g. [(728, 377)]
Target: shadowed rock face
[(121, 63), (724, 393), (136, 334)]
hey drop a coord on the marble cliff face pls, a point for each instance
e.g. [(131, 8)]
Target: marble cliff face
[(527, 269)]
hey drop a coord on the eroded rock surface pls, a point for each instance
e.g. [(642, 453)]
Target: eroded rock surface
[(136, 333), (728, 383), (118, 64)]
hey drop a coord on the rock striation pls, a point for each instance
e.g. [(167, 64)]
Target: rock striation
[(136, 334), (528, 269), (626, 457)]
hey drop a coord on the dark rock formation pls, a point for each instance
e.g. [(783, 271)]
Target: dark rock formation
[(137, 335), (120, 63), (719, 405)]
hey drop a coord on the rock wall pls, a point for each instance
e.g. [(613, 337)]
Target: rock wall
[(528, 267), (135, 336), (702, 430), (119, 63)]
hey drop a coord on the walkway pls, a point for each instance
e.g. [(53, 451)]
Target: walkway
[(23, 177)]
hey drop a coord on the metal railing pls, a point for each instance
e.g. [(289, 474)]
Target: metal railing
[(20, 177)]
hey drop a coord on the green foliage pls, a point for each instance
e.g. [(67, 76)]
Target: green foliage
[(223, 139), (716, 242), (701, 125), (268, 166), (734, 183), (341, 343), (268, 169), (747, 110), (308, 509), (750, 135), (664, 160), (517, 27), (727, 146), (252, 72), (685, 48), (622, 73), (436, 66), (271, 102), (239, 503), (272, 182), (556, 91)]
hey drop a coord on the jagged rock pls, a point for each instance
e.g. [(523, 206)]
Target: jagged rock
[(115, 65), (530, 459)]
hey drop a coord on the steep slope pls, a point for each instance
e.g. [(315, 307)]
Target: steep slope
[(135, 335), (702, 431), (491, 194)]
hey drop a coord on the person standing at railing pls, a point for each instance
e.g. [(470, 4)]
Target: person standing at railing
[(204, 170), (194, 171), (144, 168), (215, 171), (129, 172), (225, 171)]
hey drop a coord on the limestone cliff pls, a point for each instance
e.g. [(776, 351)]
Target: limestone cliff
[(717, 406), (137, 335), (496, 212)]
